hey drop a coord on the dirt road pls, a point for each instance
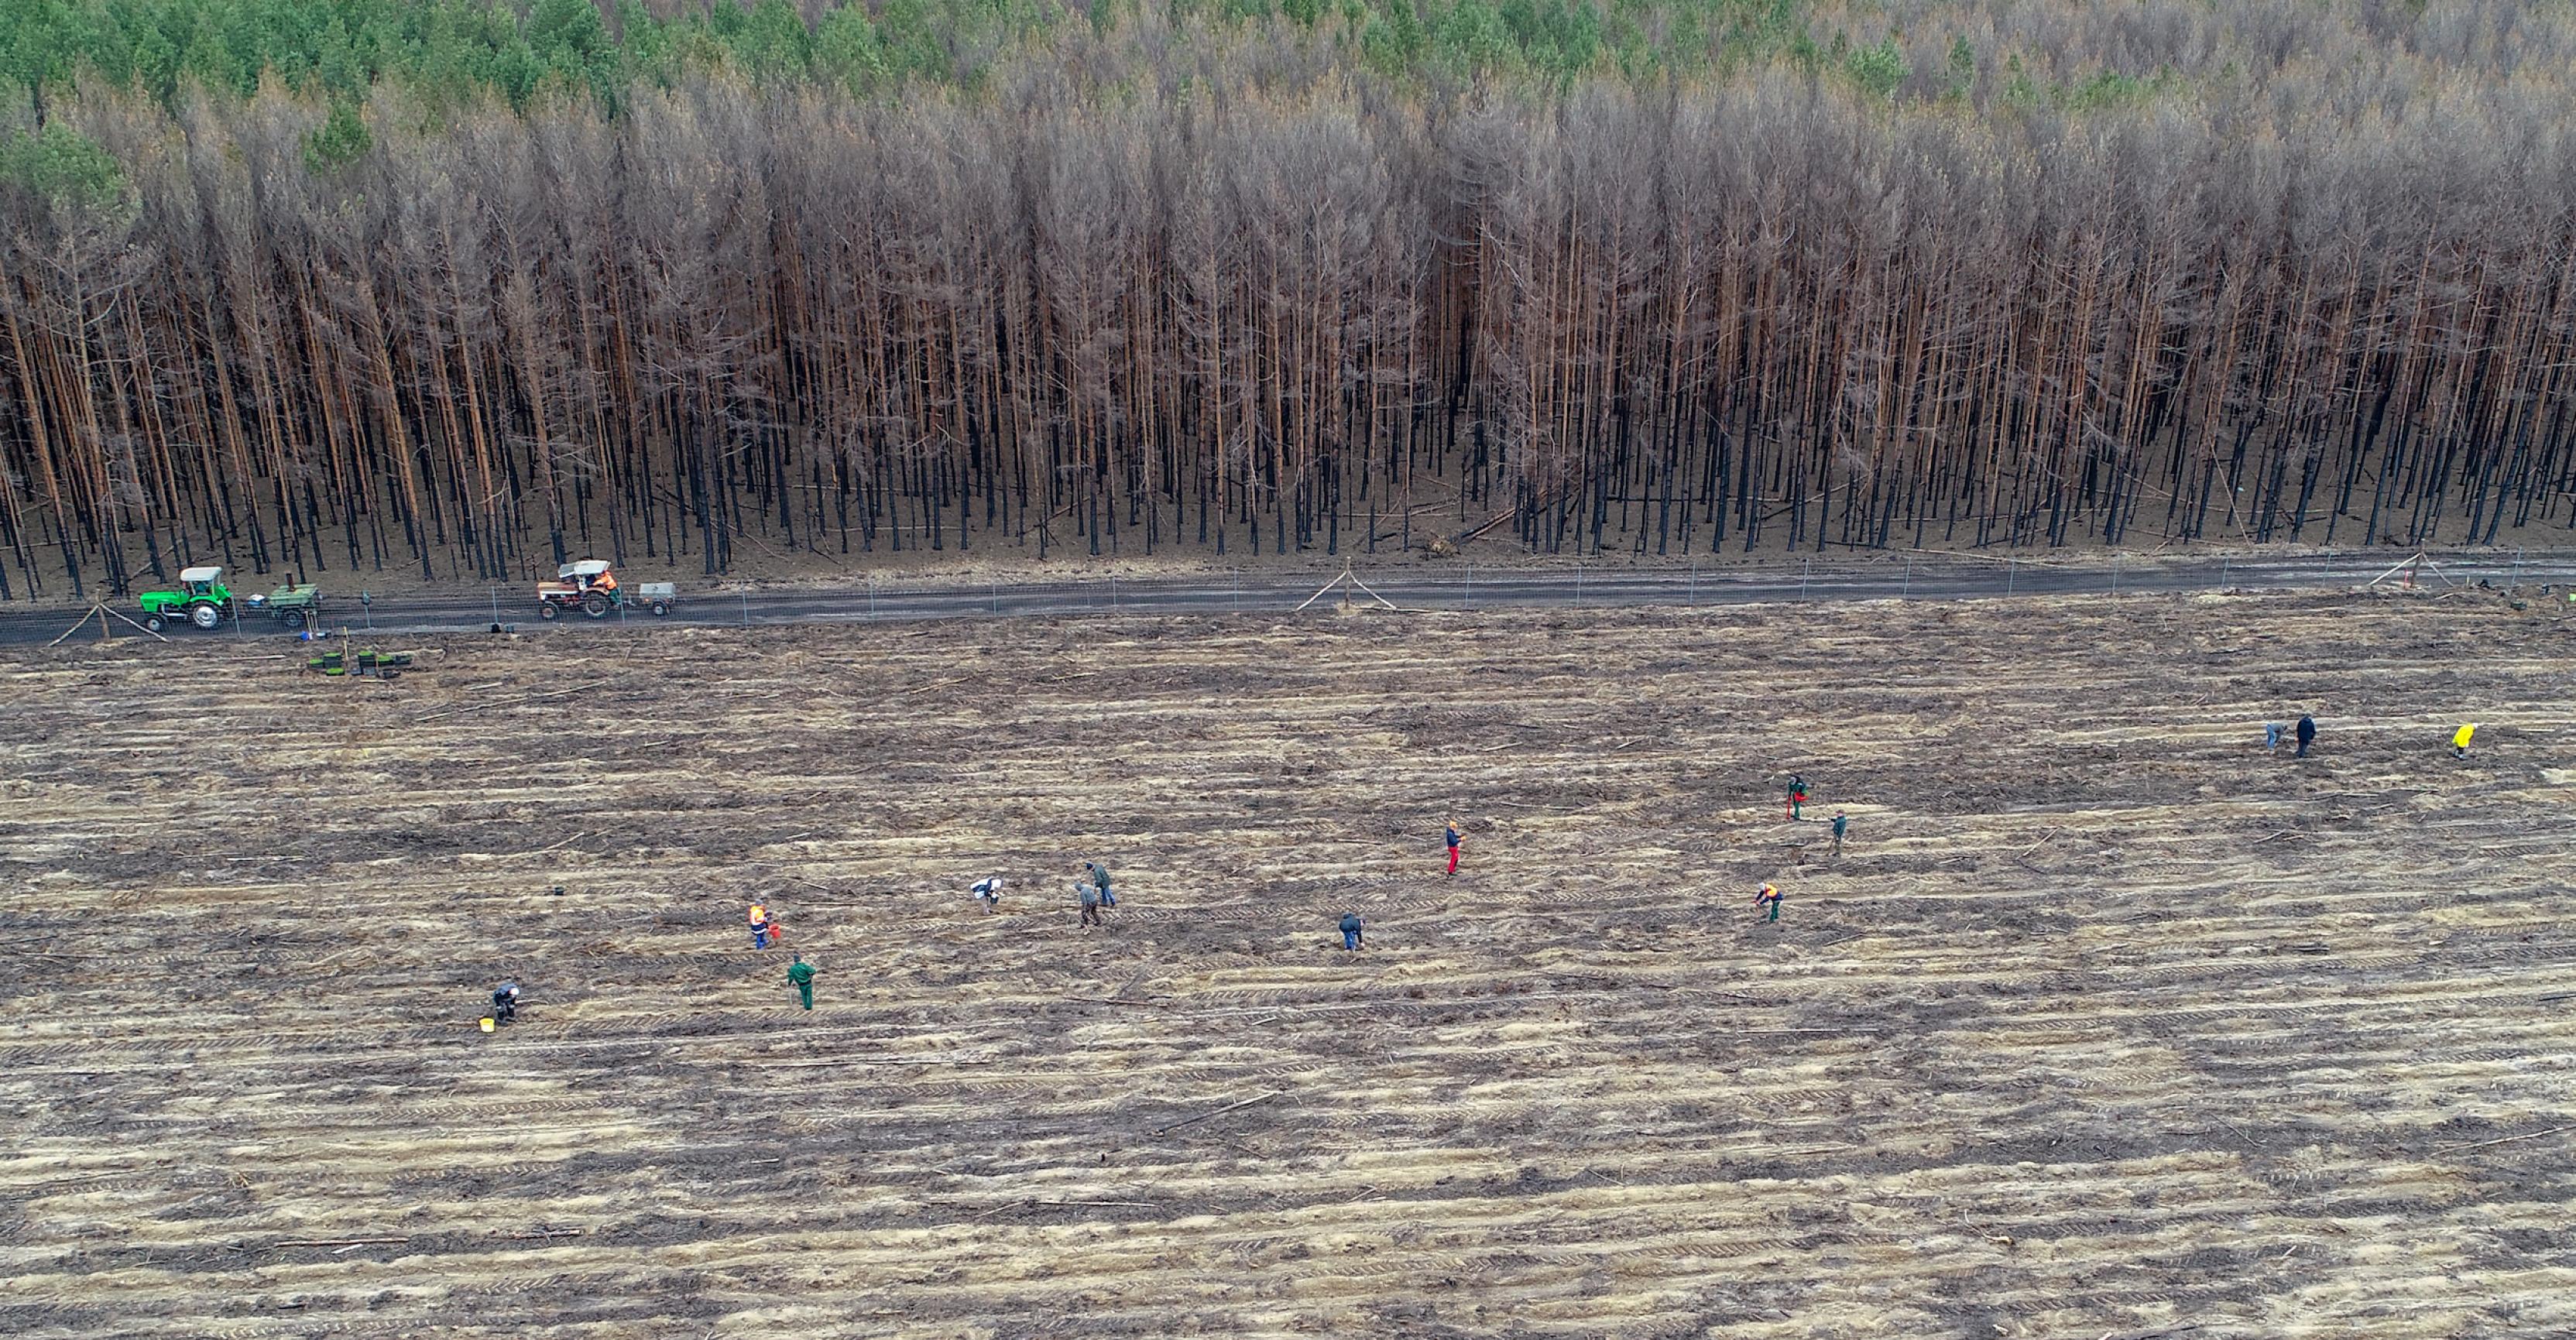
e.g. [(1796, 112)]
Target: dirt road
[(1460, 587)]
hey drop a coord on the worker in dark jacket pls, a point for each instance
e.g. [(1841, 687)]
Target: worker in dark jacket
[(505, 1002), (2307, 735), (1350, 930), (1100, 876)]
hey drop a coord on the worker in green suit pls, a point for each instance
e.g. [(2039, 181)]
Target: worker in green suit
[(800, 974)]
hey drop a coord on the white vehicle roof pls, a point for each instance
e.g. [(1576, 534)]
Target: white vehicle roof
[(588, 567), (205, 574)]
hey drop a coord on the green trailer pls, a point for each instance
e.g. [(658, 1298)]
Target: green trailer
[(203, 601)]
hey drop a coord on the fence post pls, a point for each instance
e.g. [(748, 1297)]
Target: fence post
[(1471, 586), (2222, 572), (496, 604), (746, 609), (872, 597), (997, 597), (1578, 585), (2011, 566), (2115, 574), (1113, 593), (1238, 590), (1908, 592), (1694, 586), (2516, 579), (1804, 574)]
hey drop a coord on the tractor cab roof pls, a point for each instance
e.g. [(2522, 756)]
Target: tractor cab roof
[(588, 567), (204, 574)]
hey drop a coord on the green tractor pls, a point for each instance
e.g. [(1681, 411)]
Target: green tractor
[(203, 600)]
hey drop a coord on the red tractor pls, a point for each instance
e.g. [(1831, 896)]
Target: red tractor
[(591, 587)]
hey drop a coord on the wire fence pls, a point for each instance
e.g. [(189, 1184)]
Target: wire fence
[(1466, 587), (1452, 586)]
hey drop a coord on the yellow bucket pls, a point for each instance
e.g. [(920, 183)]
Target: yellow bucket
[(487, 1023)]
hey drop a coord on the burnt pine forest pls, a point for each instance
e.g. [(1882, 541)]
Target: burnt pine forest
[(460, 289)]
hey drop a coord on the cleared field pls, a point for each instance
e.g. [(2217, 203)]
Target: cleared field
[(2106, 1021)]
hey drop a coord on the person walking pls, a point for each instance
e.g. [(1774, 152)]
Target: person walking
[(2307, 735), (2460, 740), (1797, 797), (1452, 834), (987, 891), (800, 975), (1100, 875), (1842, 825), (760, 927), (1089, 894), (1769, 894), (1351, 931)]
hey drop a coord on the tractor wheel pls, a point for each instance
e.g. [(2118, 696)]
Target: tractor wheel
[(595, 605), (293, 619), (155, 622), (549, 611), (661, 607), (205, 616)]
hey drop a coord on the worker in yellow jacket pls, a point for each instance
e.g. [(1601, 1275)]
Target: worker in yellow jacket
[(2460, 740)]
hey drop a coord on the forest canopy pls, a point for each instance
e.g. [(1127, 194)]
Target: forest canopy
[(466, 288)]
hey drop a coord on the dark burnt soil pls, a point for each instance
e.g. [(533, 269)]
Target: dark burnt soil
[(2105, 1020)]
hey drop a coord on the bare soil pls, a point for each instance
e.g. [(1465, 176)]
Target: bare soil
[(2105, 1021)]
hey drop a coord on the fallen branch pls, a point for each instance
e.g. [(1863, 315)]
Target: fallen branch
[(878, 1060), (1319, 593), (338, 1242), (1479, 532), (1373, 595), (103, 613), (2284, 833), (2483, 1144), (1230, 1107)]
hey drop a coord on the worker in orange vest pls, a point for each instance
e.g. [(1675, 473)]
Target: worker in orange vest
[(761, 931)]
